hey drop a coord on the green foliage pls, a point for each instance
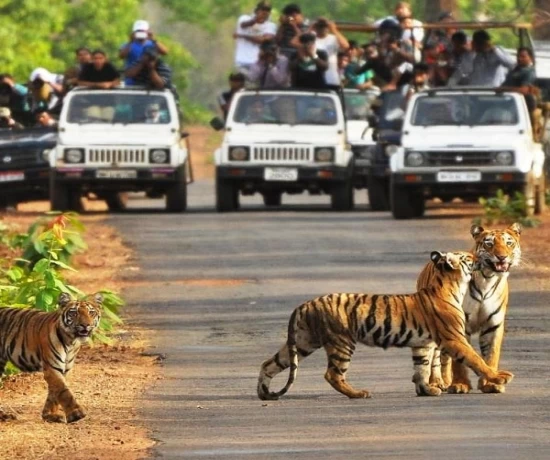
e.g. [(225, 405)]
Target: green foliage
[(36, 280), (503, 209)]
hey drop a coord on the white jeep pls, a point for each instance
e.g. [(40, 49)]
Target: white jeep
[(283, 141), (115, 141), (466, 143)]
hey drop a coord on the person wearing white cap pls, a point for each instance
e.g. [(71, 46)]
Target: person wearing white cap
[(46, 89), (140, 37)]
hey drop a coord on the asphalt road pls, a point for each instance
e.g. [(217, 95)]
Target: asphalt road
[(217, 291)]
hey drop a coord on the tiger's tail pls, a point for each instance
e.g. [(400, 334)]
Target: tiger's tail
[(266, 376)]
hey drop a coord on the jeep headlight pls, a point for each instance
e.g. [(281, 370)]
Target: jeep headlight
[(238, 153), (391, 149), (74, 155), (46, 154), (159, 156), (414, 159), (324, 154), (504, 158)]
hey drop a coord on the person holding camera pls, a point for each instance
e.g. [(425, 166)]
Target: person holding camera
[(251, 32), (6, 121), (150, 71), (271, 69), (292, 25), (309, 65)]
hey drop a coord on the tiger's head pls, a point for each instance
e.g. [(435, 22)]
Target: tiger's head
[(455, 266), (497, 250), (79, 318)]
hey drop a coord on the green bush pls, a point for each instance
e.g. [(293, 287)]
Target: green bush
[(35, 280), (503, 209)]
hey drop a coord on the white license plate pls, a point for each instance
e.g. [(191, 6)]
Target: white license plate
[(458, 176), (281, 174), (115, 174), (12, 176)]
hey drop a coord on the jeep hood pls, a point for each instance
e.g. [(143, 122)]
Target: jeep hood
[(480, 137), (285, 134), (105, 134)]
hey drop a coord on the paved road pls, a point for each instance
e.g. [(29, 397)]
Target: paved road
[(219, 291)]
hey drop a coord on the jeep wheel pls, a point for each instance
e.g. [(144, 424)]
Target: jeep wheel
[(116, 202), (272, 198), (176, 195), (227, 195), (406, 202), (540, 196), (341, 197), (59, 195), (378, 193)]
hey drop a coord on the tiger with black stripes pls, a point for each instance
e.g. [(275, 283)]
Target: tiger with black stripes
[(485, 307), (35, 340), (336, 322)]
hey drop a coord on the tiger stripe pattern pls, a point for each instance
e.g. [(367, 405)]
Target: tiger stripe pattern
[(39, 341), (484, 306), (337, 322)]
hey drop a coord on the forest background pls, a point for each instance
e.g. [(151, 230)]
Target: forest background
[(198, 33)]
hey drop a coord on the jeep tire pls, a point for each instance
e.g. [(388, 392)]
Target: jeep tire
[(62, 197), (116, 202), (272, 198), (341, 196), (406, 202), (227, 195), (378, 193), (176, 194)]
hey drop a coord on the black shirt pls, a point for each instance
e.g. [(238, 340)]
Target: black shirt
[(165, 73), (105, 74), (307, 74)]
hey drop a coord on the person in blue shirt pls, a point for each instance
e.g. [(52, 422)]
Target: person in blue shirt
[(140, 38)]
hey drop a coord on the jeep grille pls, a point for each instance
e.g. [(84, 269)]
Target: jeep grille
[(282, 153), (117, 156), (465, 158)]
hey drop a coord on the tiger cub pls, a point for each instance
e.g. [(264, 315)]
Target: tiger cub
[(484, 307), (337, 322), (34, 340)]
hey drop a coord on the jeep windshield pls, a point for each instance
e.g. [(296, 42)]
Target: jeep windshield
[(286, 109), (358, 104), (465, 109), (110, 108)]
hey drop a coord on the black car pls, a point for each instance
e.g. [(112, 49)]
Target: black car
[(389, 110), (24, 164)]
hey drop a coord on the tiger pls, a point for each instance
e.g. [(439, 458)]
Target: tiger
[(336, 322), (485, 308), (49, 341)]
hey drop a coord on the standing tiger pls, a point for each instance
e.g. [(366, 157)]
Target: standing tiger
[(34, 340), (337, 322), (485, 308)]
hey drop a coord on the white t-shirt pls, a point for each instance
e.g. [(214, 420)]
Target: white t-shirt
[(331, 46), (246, 52)]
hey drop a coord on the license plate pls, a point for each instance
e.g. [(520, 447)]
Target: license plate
[(115, 174), (12, 176), (281, 174), (459, 176)]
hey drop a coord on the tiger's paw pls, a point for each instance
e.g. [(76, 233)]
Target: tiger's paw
[(439, 383), (75, 415), (460, 388), (500, 378), (54, 418), (427, 390), (361, 394), (492, 388)]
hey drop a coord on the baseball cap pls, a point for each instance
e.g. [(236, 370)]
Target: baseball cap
[(140, 28), (5, 112), (41, 74)]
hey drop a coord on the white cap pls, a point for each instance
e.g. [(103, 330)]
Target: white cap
[(42, 74), (140, 25)]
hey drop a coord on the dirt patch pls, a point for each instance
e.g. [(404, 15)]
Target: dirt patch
[(203, 142), (107, 381)]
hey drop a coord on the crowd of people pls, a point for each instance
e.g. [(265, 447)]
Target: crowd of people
[(300, 53), (36, 102)]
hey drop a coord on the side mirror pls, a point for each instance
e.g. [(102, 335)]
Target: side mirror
[(184, 134), (217, 123)]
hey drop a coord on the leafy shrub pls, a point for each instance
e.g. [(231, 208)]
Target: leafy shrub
[(503, 209), (36, 278)]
